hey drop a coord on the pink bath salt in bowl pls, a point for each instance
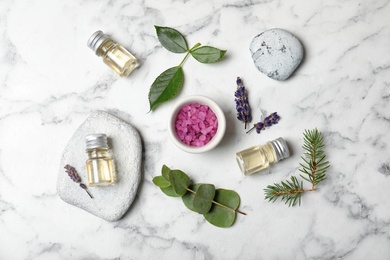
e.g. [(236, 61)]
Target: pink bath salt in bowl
[(196, 124)]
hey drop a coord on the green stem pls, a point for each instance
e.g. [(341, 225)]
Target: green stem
[(195, 46), (226, 207), (188, 53), (314, 165), (219, 204), (292, 191)]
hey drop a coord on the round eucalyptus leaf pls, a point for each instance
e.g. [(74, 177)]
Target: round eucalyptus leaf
[(203, 198), (161, 182), (188, 198), (220, 216), (170, 192), (165, 172), (179, 181)]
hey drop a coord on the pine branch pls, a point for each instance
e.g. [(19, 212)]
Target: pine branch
[(289, 191), (313, 169)]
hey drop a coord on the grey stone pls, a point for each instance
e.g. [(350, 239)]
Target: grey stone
[(276, 53), (111, 202)]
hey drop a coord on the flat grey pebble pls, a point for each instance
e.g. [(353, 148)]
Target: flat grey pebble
[(111, 202), (276, 53)]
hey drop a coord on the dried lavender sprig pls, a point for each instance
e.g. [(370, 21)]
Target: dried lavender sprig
[(272, 119), (72, 173), (242, 104)]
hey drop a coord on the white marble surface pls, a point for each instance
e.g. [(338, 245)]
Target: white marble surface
[(50, 82)]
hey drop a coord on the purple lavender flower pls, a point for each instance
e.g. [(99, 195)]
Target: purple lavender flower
[(259, 126), (270, 120), (72, 173), (242, 104)]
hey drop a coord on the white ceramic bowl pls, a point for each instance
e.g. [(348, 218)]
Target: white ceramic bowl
[(203, 101)]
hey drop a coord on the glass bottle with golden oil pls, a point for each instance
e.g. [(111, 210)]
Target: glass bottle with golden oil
[(100, 165), (114, 55), (259, 157)]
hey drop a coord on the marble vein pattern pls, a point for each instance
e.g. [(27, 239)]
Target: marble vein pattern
[(50, 82)]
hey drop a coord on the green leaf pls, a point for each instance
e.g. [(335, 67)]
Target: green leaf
[(171, 39), (188, 198), (220, 216), (179, 181), (165, 172), (170, 192), (207, 54), (166, 86), (161, 182), (203, 198)]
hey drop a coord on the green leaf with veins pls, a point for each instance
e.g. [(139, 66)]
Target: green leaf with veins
[(207, 54), (166, 86), (171, 39)]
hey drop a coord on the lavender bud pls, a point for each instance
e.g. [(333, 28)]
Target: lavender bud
[(72, 173), (242, 104), (270, 120)]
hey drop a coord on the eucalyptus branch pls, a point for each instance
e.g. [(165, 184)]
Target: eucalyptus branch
[(200, 197), (313, 168)]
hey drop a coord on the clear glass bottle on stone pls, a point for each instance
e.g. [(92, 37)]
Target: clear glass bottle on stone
[(259, 157), (114, 55), (100, 165)]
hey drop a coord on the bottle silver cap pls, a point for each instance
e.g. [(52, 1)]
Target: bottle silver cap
[(96, 141), (281, 148), (96, 40)]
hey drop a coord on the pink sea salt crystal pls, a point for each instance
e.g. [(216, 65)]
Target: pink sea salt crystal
[(196, 124), (202, 115)]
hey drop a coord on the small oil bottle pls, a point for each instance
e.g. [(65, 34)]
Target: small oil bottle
[(100, 165), (259, 157), (114, 55)]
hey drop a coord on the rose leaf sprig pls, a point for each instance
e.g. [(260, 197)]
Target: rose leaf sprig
[(270, 120), (168, 84), (218, 206), (313, 168), (72, 173), (242, 104)]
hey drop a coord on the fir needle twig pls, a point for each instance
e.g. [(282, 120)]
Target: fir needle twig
[(313, 169)]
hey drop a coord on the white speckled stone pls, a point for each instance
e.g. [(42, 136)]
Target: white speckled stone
[(276, 53), (111, 202)]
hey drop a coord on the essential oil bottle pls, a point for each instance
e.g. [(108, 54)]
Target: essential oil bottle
[(114, 55), (259, 157), (100, 165)]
